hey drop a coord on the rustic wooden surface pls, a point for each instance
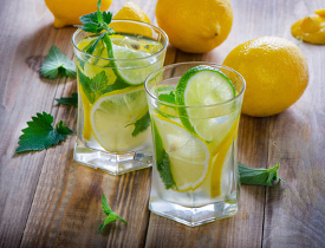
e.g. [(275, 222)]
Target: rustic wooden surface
[(49, 200)]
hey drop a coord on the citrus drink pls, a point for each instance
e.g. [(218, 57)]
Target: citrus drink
[(195, 116), (113, 119)]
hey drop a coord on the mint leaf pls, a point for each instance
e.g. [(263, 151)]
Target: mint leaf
[(72, 101), (117, 85), (99, 14), (97, 23), (141, 125), (95, 86), (259, 176), (170, 98), (98, 83), (40, 134), (90, 49), (162, 161), (57, 64), (111, 216)]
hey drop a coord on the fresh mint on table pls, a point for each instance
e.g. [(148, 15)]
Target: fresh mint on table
[(72, 101), (40, 134), (260, 176), (111, 216), (57, 64)]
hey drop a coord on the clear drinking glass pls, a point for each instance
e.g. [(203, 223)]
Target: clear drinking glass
[(113, 132), (195, 179)]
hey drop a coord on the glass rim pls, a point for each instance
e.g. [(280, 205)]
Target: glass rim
[(75, 46), (193, 106)]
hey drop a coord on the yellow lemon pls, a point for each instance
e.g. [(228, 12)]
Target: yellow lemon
[(131, 11), (67, 12), (195, 26), (311, 28), (275, 71)]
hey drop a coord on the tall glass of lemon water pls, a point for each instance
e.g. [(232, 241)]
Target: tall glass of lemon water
[(113, 132), (195, 110)]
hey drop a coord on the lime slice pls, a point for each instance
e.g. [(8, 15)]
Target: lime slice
[(112, 114), (200, 86), (134, 72), (188, 154), (134, 62)]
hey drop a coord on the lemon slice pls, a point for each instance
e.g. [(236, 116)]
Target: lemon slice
[(112, 116), (200, 86), (188, 154)]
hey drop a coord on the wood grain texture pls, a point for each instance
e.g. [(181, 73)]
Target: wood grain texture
[(49, 200)]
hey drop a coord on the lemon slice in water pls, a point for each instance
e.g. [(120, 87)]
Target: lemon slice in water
[(188, 154), (112, 116)]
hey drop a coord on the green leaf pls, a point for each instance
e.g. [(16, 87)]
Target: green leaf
[(117, 85), (98, 83), (57, 64), (99, 13), (162, 161), (107, 18), (95, 86), (40, 134), (141, 125), (111, 216), (259, 176), (72, 101), (106, 208), (90, 49), (170, 98), (96, 22)]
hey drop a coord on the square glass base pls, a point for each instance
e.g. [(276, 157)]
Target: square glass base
[(192, 216), (115, 163)]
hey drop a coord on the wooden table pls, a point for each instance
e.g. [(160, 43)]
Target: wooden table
[(49, 200)]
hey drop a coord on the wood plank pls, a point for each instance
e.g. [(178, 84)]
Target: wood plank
[(48, 200), (295, 211), (66, 208), (22, 94)]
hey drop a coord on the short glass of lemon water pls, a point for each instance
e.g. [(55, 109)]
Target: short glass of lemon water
[(195, 110), (113, 131)]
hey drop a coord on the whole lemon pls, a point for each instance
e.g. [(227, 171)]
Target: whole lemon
[(67, 12), (195, 26), (275, 71)]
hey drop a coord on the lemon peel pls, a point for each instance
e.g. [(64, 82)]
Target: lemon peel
[(311, 28)]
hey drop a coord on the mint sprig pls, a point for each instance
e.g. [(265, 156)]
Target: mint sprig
[(57, 64), (259, 176), (111, 216), (72, 101), (96, 23), (40, 134)]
